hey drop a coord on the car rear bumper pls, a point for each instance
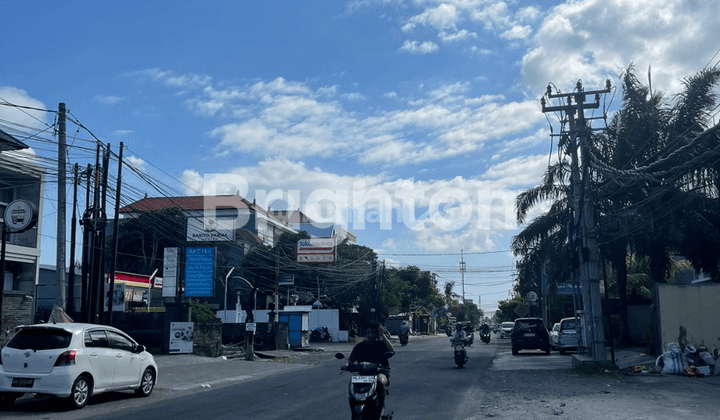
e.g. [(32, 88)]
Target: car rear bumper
[(55, 383)]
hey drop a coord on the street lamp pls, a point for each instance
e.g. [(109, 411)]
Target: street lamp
[(251, 288), (225, 299)]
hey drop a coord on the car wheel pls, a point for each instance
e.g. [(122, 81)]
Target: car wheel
[(514, 351), (547, 350), (147, 383), (562, 351), (80, 392)]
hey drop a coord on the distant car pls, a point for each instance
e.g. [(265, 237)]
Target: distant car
[(554, 336), (530, 334), (506, 329), (74, 361), (567, 336)]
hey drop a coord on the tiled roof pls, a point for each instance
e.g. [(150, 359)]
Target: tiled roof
[(188, 203)]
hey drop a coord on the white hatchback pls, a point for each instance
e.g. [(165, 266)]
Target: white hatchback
[(74, 361)]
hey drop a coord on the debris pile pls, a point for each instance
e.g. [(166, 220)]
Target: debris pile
[(692, 362)]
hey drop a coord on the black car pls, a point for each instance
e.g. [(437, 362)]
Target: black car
[(530, 334)]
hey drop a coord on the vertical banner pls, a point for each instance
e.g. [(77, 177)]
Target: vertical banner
[(199, 272), (170, 263), (181, 337)]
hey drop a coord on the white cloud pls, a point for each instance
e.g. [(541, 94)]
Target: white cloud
[(415, 47), (26, 117), (108, 99), (442, 17), (137, 162), (594, 40), (517, 32), (473, 211), (461, 35)]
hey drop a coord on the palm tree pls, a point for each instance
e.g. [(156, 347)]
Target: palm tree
[(543, 243), (661, 195)]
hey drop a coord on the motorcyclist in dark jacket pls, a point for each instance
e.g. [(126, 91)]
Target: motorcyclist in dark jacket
[(376, 348)]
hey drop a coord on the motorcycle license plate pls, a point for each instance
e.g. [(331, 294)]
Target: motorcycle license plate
[(363, 379)]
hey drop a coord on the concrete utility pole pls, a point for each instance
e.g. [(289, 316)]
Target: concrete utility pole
[(462, 271), (60, 244), (583, 219)]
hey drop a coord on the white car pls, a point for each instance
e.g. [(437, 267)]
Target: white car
[(567, 337), (74, 361), (555, 336), (506, 329)]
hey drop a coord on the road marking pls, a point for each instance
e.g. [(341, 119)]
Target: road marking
[(209, 384)]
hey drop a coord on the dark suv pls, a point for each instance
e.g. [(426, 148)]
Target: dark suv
[(530, 333)]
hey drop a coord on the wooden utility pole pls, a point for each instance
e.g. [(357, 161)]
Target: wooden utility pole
[(60, 243), (583, 219)]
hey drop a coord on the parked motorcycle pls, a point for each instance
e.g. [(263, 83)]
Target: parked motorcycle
[(404, 337), (320, 334), (485, 337), (461, 357), (448, 331), (362, 393)]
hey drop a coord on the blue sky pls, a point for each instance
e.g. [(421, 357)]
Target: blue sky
[(430, 108)]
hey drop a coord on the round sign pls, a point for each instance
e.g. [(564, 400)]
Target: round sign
[(20, 215), (532, 296)]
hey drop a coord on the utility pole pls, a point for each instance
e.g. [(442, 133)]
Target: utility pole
[(70, 309), (462, 271), (60, 244), (583, 218), (113, 261)]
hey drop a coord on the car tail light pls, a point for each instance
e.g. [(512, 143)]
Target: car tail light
[(66, 358)]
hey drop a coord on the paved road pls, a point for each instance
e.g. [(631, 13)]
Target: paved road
[(425, 384)]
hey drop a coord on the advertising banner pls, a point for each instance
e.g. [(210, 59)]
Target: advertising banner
[(181, 337), (199, 272)]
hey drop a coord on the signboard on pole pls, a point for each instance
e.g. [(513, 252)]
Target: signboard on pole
[(316, 250), (199, 272), (170, 263), (286, 280)]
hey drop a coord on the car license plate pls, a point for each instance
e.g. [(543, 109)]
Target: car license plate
[(363, 379), (22, 382), (529, 334)]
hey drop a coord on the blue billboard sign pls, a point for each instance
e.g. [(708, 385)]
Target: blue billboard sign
[(199, 272)]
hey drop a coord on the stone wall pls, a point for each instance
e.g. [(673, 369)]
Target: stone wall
[(207, 339), (17, 310)]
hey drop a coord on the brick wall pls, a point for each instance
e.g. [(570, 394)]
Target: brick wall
[(16, 310)]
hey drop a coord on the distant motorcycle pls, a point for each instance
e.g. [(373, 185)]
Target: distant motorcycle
[(460, 354), (485, 337), (448, 331), (404, 337), (362, 393), (320, 334)]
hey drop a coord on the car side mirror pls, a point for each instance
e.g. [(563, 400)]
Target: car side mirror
[(140, 348)]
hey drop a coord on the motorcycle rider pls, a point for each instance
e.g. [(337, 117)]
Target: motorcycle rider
[(376, 348), (404, 328), (459, 333), (485, 329)]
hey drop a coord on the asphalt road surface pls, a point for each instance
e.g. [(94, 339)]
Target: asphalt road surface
[(425, 384)]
